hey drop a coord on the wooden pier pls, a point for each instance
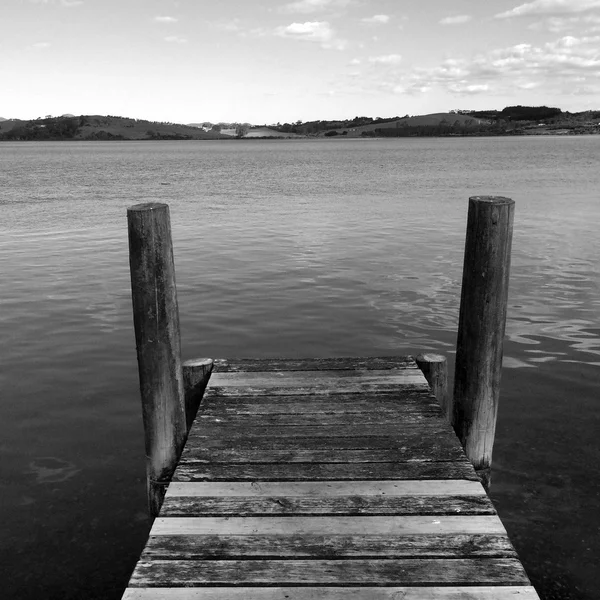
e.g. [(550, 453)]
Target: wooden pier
[(334, 478)]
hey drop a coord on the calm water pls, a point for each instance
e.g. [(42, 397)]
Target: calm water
[(289, 248)]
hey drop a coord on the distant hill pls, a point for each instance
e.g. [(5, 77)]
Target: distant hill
[(98, 127), (434, 120), (2, 119)]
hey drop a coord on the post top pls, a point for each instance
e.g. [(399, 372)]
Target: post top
[(147, 206), (492, 200)]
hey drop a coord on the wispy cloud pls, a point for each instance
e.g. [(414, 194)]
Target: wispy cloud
[(175, 39), (41, 45), (582, 23), (65, 3), (165, 19), (457, 20), (550, 7), (313, 6), (568, 65), (320, 32), (377, 19), (386, 59)]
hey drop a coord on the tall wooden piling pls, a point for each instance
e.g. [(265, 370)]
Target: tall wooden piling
[(157, 336), (481, 327)]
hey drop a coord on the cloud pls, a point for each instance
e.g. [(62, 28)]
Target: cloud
[(41, 45), (165, 19), (550, 7), (457, 20), (320, 32), (175, 39), (470, 89), (65, 3), (313, 6), (387, 59), (377, 19), (558, 67)]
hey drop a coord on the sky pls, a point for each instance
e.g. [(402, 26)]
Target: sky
[(282, 61)]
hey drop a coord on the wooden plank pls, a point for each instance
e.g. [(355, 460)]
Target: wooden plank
[(391, 403), (329, 572), (335, 593), (232, 365), (322, 471), (355, 525), (305, 455), (330, 379), (317, 389), (181, 506), (312, 431), (299, 420), (414, 439), (203, 547), (323, 489)]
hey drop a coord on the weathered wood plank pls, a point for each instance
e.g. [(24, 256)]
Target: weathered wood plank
[(323, 489), (416, 440), (331, 379), (232, 365), (301, 420), (393, 403), (203, 547), (323, 471), (312, 431), (182, 506), (355, 525), (336, 593), (317, 389), (329, 572), (236, 455)]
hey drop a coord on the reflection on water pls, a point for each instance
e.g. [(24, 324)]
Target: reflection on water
[(297, 249)]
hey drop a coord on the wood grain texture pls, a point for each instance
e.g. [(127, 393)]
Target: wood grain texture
[(309, 525), (334, 380), (202, 547), (308, 455), (415, 439), (425, 571), (233, 365), (324, 489), (323, 471), (394, 404), (181, 506), (214, 430), (336, 593)]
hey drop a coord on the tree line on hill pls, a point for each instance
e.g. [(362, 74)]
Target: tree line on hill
[(510, 120)]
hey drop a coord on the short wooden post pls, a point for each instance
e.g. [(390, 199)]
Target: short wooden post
[(196, 373), (481, 327), (435, 369), (157, 336)]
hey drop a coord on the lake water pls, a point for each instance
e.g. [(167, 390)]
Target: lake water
[(286, 248)]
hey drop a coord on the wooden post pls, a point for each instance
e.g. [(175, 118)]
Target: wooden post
[(157, 337), (435, 369), (481, 327), (196, 374)]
